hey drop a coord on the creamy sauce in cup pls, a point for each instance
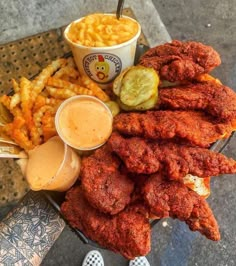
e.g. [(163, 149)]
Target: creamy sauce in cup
[(44, 161), (52, 166), (84, 122)]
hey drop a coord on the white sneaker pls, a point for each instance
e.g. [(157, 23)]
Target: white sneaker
[(139, 261), (93, 258)]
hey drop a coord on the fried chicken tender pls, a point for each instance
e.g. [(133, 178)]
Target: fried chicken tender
[(180, 61), (105, 187), (127, 232), (195, 127), (173, 199), (174, 160), (215, 99)]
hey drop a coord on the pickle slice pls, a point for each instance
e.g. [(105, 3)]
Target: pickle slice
[(138, 85), (118, 81), (114, 107), (149, 104)]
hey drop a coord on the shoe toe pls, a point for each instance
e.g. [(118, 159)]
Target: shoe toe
[(93, 258), (139, 261)]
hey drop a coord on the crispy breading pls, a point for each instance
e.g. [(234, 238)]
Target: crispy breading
[(192, 126), (215, 99), (180, 61), (173, 199), (105, 187), (175, 160), (128, 232)]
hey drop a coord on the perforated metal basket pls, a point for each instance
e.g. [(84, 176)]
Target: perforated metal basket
[(27, 57)]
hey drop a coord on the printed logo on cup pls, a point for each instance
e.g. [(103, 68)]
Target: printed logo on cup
[(102, 67)]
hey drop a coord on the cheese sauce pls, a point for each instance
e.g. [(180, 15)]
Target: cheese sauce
[(84, 123)]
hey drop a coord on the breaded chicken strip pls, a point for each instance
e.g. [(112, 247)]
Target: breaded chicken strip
[(174, 160), (105, 187), (127, 232), (173, 199), (194, 126), (215, 99), (180, 61)]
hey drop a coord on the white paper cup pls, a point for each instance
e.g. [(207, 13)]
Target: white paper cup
[(104, 64)]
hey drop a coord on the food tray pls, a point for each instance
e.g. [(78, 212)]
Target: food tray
[(27, 57)]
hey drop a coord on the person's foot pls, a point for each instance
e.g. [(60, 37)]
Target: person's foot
[(93, 258), (139, 261)]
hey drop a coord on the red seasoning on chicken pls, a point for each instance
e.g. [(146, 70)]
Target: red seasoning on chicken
[(174, 160), (215, 99), (180, 61), (194, 127), (127, 232), (173, 199), (105, 187), (157, 163)]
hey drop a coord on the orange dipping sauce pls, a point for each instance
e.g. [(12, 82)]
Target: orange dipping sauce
[(84, 122)]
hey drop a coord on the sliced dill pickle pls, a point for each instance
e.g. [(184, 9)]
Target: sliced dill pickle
[(149, 104), (138, 85), (118, 81), (114, 107)]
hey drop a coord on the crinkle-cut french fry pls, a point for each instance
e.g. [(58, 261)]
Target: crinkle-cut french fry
[(25, 91), (39, 102), (15, 86), (37, 117), (42, 100), (26, 107), (66, 71), (15, 100), (97, 91), (16, 131), (26, 101), (59, 83), (40, 81), (6, 100), (48, 132), (33, 107), (53, 102), (48, 126), (35, 135), (40, 113), (60, 93)]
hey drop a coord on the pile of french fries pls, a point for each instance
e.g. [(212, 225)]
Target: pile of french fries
[(35, 102)]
